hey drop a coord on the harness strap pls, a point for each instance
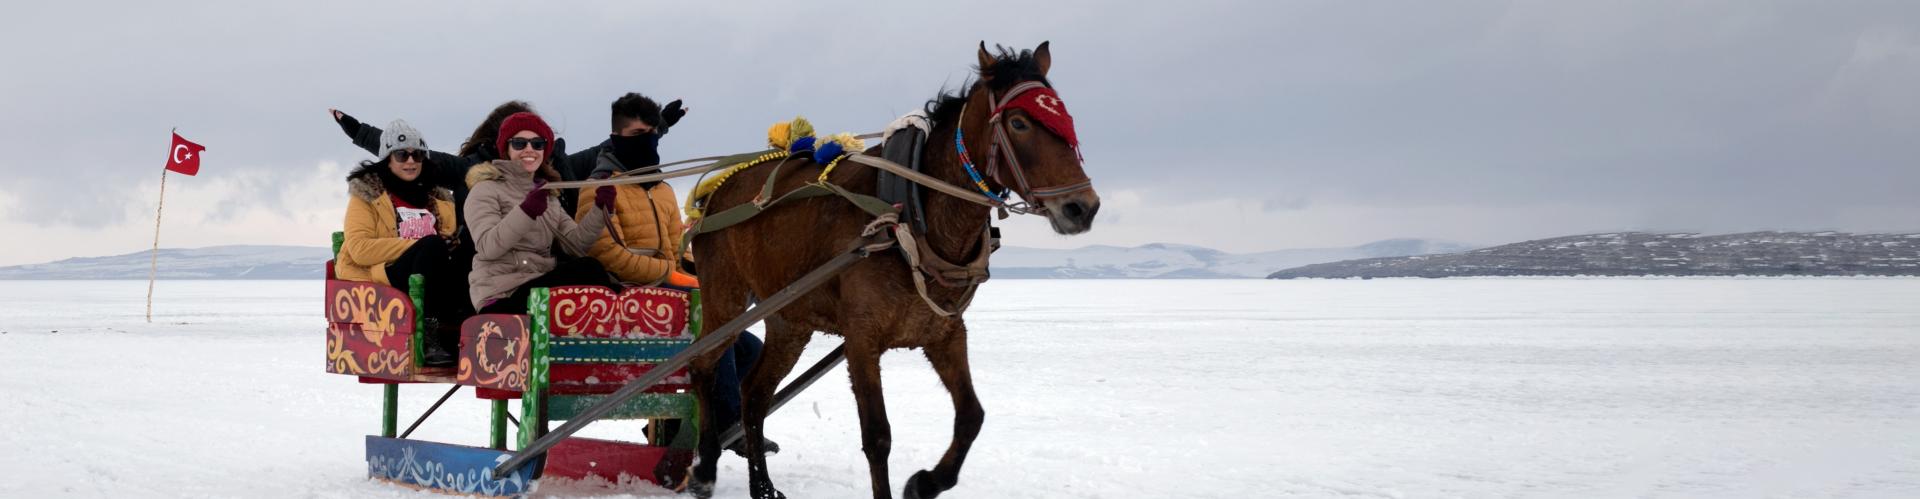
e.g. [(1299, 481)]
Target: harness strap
[(766, 189), (911, 247), (924, 179)]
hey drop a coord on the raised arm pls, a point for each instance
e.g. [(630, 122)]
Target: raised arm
[(452, 169), (364, 135)]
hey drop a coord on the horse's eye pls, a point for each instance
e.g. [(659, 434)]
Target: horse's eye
[(1019, 125)]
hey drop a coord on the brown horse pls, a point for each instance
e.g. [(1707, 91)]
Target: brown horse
[(874, 305)]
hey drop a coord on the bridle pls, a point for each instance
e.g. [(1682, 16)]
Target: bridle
[(1000, 145)]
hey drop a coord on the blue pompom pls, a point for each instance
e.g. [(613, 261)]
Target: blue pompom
[(802, 144), (827, 152)]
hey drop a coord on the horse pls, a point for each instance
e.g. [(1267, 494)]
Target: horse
[(874, 305)]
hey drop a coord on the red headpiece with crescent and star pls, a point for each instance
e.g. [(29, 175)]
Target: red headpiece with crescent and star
[(1043, 105)]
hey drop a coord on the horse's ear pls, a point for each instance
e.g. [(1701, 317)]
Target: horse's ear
[(986, 60), (1043, 58)]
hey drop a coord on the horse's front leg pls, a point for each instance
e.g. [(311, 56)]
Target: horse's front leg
[(949, 359), (784, 344)]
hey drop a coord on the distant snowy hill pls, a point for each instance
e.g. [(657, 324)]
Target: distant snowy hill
[(1152, 261), (1640, 253), (1177, 261), (215, 262)]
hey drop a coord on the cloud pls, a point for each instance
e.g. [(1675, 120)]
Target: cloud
[(1328, 121)]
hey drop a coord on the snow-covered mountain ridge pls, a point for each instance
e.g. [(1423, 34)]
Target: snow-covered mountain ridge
[(1641, 253)]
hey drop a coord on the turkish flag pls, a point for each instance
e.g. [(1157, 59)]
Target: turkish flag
[(185, 156)]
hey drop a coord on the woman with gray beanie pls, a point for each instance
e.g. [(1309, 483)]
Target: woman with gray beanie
[(400, 223)]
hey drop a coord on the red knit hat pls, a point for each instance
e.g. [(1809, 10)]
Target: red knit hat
[(518, 122)]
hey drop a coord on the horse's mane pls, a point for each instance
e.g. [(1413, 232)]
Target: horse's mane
[(1009, 68)]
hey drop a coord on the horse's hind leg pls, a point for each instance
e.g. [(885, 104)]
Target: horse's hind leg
[(784, 343), (950, 360), (876, 435)]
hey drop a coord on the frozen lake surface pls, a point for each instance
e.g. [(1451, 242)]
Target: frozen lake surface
[(1382, 388)]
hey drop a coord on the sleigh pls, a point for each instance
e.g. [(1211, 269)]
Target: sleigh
[(578, 345)]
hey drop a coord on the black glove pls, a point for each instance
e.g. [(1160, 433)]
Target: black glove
[(349, 125), (671, 115)]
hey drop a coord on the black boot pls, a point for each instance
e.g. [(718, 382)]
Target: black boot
[(435, 352)]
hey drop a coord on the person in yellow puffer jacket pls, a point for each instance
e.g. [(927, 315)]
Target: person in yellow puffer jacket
[(643, 243)]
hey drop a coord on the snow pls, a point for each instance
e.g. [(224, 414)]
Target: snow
[(1557, 387)]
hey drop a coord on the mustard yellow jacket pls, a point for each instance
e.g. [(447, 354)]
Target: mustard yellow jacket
[(373, 230), (647, 222)]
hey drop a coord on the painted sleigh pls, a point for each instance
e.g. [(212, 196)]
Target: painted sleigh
[(578, 344)]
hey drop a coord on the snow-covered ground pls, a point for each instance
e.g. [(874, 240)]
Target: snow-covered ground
[(1394, 388)]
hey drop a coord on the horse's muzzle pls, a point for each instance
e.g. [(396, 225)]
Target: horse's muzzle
[(1073, 214)]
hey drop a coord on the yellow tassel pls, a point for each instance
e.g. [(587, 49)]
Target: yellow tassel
[(851, 143), (778, 136)]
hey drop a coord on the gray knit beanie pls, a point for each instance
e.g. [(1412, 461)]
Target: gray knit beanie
[(398, 136)]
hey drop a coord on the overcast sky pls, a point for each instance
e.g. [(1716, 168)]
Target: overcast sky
[(1244, 126)]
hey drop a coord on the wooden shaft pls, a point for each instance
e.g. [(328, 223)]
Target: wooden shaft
[(806, 379), (707, 343)]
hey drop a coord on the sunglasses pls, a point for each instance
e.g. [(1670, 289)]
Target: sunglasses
[(519, 143), (409, 155)]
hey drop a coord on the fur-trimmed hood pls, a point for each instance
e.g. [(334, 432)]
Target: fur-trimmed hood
[(483, 172), (368, 187)]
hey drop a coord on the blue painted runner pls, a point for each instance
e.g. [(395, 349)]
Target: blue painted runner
[(446, 467)]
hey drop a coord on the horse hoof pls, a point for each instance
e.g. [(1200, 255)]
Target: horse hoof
[(920, 486), (702, 490), (766, 491)]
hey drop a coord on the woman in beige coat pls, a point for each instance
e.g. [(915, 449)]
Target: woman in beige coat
[(514, 232)]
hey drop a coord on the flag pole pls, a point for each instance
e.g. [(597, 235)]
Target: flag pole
[(153, 270)]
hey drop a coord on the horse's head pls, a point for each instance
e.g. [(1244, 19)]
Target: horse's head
[(1030, 144)]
